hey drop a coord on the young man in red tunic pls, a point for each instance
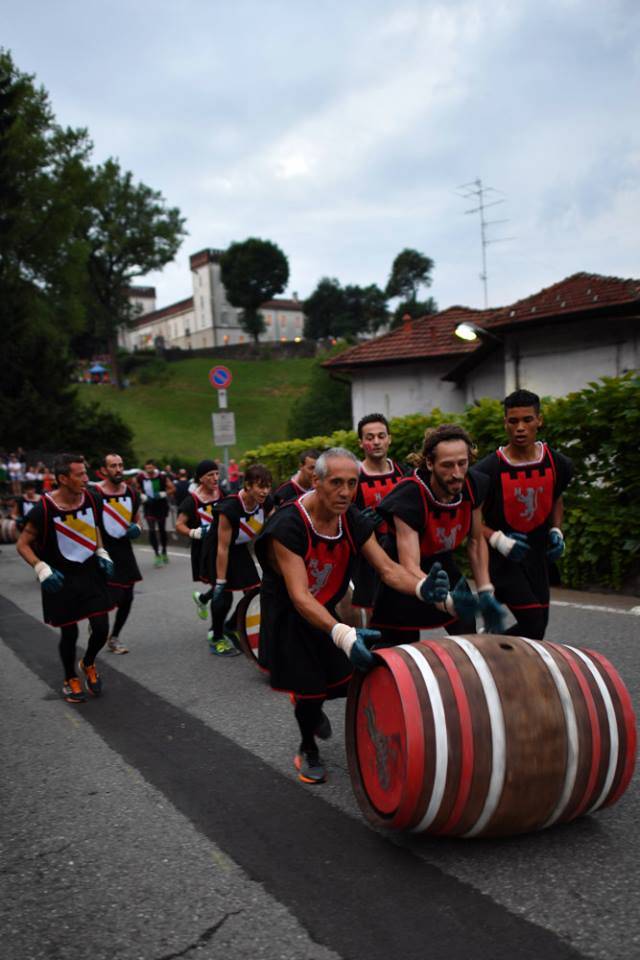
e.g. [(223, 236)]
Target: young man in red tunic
[(378, 476), (300, 482), (306, 551), (523, 514)]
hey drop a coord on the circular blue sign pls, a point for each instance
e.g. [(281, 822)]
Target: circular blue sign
[(220, 377)]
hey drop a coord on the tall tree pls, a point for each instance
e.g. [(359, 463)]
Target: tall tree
[(42, 173), (336, 311), (253, 272), (129, 232), (410, 271)]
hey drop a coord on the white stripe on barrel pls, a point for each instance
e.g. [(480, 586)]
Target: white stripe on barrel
[(498, 737), (571, 728), (441, 739), (613, 728)]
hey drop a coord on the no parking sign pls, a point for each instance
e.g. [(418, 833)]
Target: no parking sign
[(220, 377)]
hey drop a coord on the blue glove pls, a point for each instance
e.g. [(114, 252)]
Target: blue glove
[(464, 602), (520, 548), (556, 544), (372, 516), (492, 612), (105, 562), (133, 531), (360, 655), (435, 587), (217, 600), (54, 582)]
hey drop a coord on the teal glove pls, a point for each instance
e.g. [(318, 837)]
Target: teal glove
[(105, 562), (435, 586), (464, 603), (360, 655), (133, 531), (373, 517), (492, 612), (51, 580), (556, 544)]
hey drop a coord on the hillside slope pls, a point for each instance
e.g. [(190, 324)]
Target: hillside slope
[(172, 418)]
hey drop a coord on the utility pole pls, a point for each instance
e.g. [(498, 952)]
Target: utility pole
[(476, 189)]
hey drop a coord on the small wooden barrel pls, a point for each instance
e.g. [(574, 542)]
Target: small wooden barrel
[(248, 621), (8, 531), (485, 736)]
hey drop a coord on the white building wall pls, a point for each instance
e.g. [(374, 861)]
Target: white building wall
[(486, 380), (397, 391), (555, 361)]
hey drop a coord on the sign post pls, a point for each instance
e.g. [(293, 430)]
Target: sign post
[(224, 424)]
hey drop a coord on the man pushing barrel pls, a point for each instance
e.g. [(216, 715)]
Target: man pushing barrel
[(306, 551)]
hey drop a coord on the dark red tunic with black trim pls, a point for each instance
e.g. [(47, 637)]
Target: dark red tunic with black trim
[(290, 490), (301, 658), (442, 528), (67, 541), (372, 489), (521, 498)]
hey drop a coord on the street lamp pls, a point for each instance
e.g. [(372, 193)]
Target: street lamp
[(471, 331)]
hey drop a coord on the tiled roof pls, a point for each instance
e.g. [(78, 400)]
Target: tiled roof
[(575, 294), (182, 306), (420, 339), (282, 305)]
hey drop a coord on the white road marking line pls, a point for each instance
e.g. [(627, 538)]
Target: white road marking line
[(633, 612)]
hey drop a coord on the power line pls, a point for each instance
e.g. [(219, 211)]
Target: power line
[(475, 189)]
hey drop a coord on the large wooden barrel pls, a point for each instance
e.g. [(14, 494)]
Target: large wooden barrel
[(8, 531), (482, 736)]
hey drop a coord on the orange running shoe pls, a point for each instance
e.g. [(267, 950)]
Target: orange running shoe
[(310, 767), (92, 679), (72, 690)]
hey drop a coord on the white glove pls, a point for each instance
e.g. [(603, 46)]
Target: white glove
[(343, 636), (43, 570), (143, 497), (516, 545), (162, 495), (196, 533)]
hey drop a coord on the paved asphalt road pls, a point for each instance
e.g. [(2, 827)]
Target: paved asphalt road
[(164, 820)]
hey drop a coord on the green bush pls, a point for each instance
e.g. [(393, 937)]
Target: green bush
[(598, 427)]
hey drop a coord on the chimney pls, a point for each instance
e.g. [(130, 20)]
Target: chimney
[(406, 322)]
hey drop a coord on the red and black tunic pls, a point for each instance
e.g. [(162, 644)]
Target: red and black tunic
[(198, 512), (67, 541), (301, 658), (246, 525), (521, 498), (442, 528), (117, 513), (372, 489), (290, 490)]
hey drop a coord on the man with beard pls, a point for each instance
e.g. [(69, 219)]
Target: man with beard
[(120, 507), (62, 541), (432, 513)]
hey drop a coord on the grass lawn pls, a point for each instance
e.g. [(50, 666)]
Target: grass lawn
[(173, 418)]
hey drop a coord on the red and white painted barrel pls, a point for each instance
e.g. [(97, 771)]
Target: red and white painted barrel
[(248, 620), (481, 736)]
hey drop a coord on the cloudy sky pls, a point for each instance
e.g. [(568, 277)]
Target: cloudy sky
[(341, 130)]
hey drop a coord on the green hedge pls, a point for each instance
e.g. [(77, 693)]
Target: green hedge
[(598, 427)]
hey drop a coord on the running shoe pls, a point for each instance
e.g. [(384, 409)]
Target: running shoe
[(92, 679), (158, 561), (72, 691), (223, 648), (310, 767), (202, 607), (165, 559), (323, 731), (114, 646)]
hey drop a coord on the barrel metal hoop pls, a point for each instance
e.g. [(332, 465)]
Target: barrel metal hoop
[(571, 728)]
